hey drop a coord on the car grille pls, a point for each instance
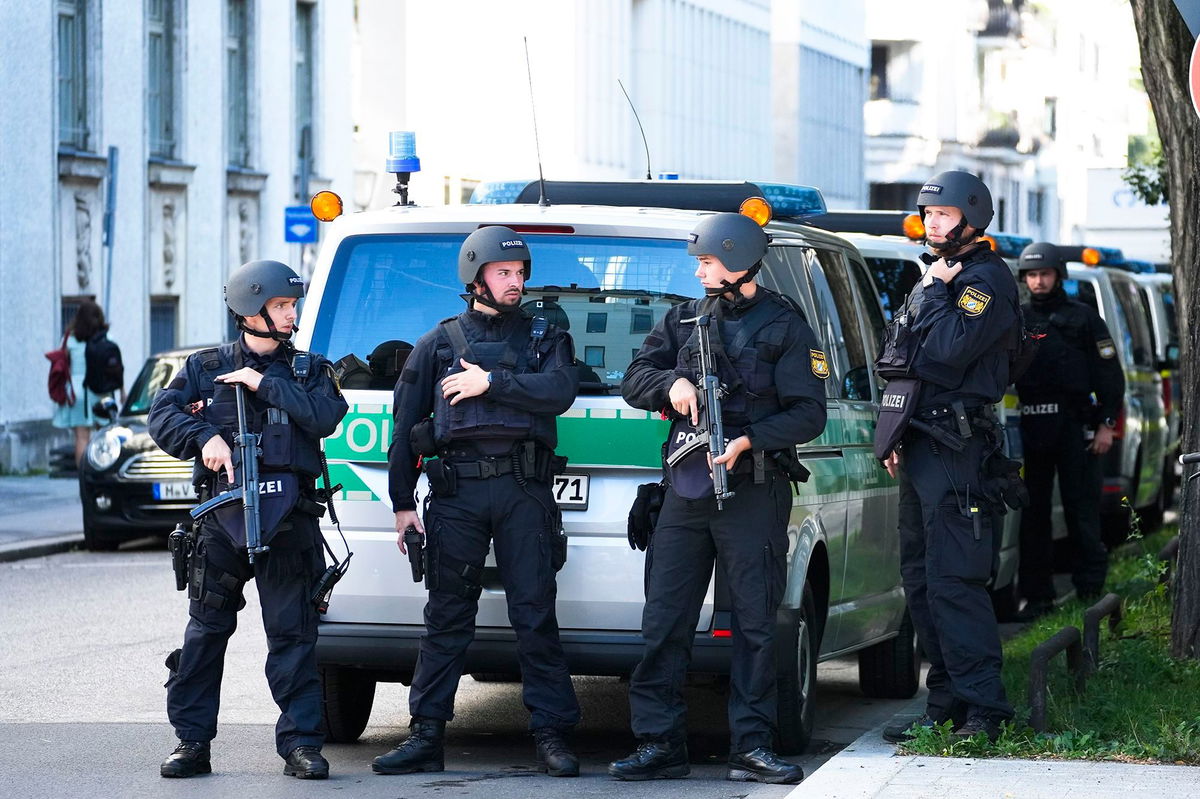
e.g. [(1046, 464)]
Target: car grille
[(156, 466)]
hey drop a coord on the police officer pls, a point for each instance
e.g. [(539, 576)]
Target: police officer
[(947, 361), (494, 380), (1075, 360), (774, 372), (294, 402)]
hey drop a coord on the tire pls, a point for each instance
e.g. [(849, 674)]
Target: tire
[(347, 696), (797, 644), (891, 669), (93, 539)]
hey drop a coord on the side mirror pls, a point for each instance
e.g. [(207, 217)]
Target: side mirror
[(105, 408), (1172, 359)]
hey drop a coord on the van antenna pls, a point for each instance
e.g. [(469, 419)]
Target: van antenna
[(639, 124), (536, 144)]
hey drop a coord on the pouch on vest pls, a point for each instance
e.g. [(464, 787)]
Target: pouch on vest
[(277, 497), (276, 440), (687, 461), (896, 408), (222, 412), (421, 438)]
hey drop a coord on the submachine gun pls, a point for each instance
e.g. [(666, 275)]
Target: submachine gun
[(246, 491), (711, 392)]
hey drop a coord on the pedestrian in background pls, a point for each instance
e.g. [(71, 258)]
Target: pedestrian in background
[(1076, 361), (946, 359), (87, 324)]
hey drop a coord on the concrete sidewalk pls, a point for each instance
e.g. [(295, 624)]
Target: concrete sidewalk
[(870, 767), (39, 515)]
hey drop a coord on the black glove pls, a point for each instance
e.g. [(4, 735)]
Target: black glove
[(643, 516)]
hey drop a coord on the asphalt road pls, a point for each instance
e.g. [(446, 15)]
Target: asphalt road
[(82, 706)]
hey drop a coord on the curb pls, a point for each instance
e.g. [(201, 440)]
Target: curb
[(864, 768), (35, 548)]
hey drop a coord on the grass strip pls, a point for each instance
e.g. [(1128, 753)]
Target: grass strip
[(1141, 706)]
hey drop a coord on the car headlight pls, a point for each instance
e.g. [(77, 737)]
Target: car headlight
[(105, 448)]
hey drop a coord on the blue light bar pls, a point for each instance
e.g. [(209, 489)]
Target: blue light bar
[(1143, 267), (1009, 246), (497, 192), (402, 152), (668, 176), (1110, 256), (792, 201)]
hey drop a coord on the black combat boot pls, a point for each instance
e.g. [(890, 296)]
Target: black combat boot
[(554, 755), (422, 750), (189, 759), (653, 760), (307, 763), (905, 731), (979, 723), (763, 765)]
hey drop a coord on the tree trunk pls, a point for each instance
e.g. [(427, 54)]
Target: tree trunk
[(1166, 49)]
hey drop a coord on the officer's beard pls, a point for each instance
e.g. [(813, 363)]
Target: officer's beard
[(489, 299), (1050, 299)]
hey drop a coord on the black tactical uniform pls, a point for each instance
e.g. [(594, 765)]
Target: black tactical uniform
[(1075, 360), (777, 399), (490, 482), (184, 416), (947, 360)]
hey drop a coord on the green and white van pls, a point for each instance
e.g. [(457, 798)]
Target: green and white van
[(613, 266)]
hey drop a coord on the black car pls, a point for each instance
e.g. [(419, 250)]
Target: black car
[(129, 487)]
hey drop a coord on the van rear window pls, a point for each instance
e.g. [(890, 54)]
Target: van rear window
[(385, 292)]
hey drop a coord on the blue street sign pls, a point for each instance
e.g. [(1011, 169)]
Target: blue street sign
[(299, 225)]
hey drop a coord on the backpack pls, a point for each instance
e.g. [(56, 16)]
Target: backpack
[(105, 372), (62, 392)]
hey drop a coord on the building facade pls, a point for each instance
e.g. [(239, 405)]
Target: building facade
[(150, 146)]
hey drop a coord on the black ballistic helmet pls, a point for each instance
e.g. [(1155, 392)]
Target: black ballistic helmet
[(960, 190), (1042, 255), (736, 239), (252, 284), (488, 244)]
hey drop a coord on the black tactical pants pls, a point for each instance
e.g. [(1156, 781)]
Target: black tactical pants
[(1080, 481), (748, 540), (285, 577), (520, 522), (946, 554)]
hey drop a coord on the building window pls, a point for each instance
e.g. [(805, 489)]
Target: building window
[(641, 320), (162, 48), (305, 66), (73, 74), (237, 82), (879, 65), (1050, 117), (594, 357), (1036, 200), (597, 323), (163, 314)]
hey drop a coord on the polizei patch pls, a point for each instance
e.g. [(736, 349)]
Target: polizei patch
[(973, 302), (895, 402), (1107, 348), (820, 366), (509, 244), (931, 188)]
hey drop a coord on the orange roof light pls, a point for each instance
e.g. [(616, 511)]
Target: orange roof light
[(1090, 256), (990, 242), (757, 208), (326, 206), (914, 228)]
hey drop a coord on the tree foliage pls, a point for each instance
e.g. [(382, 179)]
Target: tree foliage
[(1166, 47)]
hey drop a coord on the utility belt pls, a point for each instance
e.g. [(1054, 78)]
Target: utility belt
[(760, 463), (526, 461)]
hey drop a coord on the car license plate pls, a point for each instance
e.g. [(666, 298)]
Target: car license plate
[(180, 490), (571, 491)]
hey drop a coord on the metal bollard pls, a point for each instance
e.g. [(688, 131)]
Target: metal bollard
[(1065, 640)]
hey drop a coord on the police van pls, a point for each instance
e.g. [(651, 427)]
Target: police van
[(609, 259)]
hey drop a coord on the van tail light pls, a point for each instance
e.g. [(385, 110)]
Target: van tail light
[(1119, 430), (722, 633), (1166, 385)]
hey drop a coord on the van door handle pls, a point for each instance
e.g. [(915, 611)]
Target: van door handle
[(820, 452)]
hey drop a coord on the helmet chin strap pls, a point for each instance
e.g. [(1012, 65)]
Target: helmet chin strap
[(488, 299), (272, 331), (736, 286)]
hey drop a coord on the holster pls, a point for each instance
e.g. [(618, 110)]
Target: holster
[(442, 479)]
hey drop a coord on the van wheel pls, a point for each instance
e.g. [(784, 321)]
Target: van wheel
[(797, 643), (347, 696), (891, 669)]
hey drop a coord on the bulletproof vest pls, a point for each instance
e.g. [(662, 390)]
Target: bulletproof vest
[(749, 347), (1061, 365), (285, 447), (481, 417), (901, 342)]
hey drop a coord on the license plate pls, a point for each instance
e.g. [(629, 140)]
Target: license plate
[(571, 491), (174, 491)]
